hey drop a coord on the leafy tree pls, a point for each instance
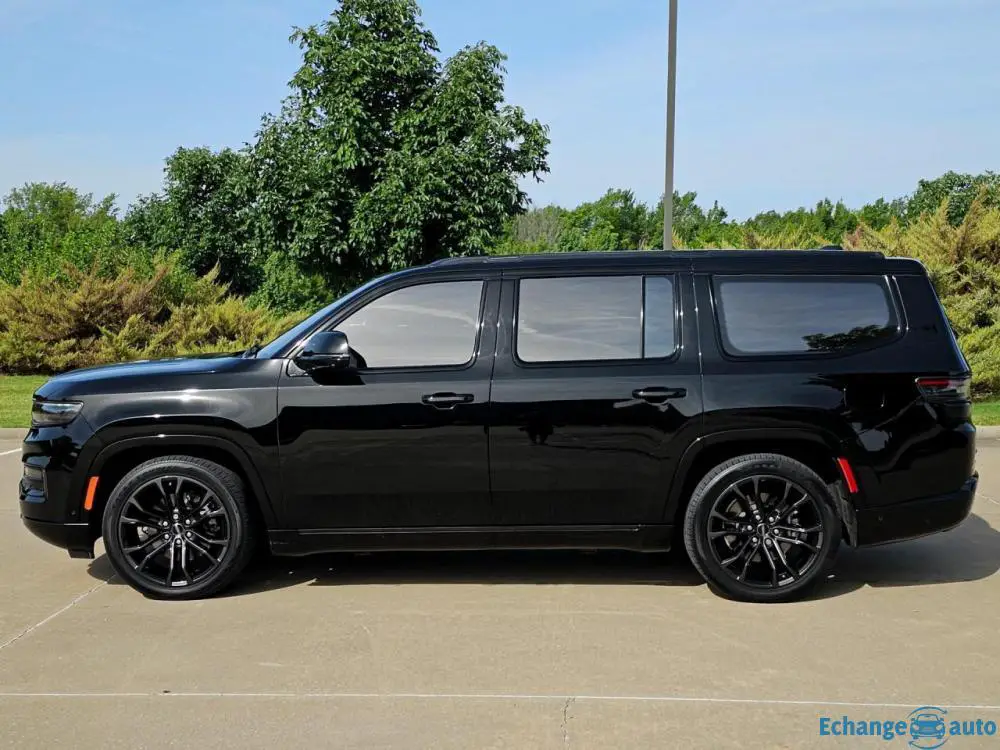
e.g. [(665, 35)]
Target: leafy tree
[(959, 190), (383, 156), (44, 226), (616, 221), (202, 214)]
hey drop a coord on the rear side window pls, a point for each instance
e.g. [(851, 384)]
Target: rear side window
[(802, 314), (594, 318)]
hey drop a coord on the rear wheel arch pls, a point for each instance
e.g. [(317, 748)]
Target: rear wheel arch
[(812, 448), (119, 458)]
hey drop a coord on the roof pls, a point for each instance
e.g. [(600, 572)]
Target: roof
[(697, 260)]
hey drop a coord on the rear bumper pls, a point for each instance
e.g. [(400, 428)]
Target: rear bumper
[(77, 538), (909, 520)]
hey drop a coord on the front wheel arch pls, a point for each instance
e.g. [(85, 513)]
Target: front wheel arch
[(116, 459)]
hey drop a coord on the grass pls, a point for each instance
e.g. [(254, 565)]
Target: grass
[(986, 413), (15, 398), (16, 390)]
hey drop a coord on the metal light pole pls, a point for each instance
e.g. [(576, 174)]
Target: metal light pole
[(668, 196)]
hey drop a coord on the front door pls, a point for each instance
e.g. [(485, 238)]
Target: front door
[(399, 440), (596, 392)]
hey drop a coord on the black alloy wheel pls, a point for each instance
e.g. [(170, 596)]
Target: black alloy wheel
[(178, 527), (762, 527)]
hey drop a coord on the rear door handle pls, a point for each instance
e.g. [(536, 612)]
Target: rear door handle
[(656, 394), (447, 400)]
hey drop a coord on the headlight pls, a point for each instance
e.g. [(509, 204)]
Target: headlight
[(50, 413)]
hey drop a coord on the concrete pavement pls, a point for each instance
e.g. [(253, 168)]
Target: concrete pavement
[(495, 649)]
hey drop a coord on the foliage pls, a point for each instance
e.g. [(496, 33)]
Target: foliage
[(201, 214), (958, 191), (382, 156), (49, 324), (964, 264), (43, 226), (286, 288)]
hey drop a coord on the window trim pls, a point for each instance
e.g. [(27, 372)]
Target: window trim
[(332, 323), (885, 282), (642, 274)]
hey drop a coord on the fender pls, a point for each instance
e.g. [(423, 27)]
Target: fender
[(232, 448), (696, 447)]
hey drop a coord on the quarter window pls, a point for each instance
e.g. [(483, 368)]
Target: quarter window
[(802, 314), (587, 318), (418, 326)]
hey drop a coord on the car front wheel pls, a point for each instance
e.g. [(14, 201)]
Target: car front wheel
[(178, 527)]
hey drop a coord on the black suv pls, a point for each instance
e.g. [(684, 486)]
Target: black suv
[(762, 407)]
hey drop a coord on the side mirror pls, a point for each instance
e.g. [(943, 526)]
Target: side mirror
[(326, 350)]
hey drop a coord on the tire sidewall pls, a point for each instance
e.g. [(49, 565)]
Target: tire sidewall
[(142, 475), (701, 507)]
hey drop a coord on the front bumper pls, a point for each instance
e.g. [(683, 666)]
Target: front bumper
[(916, 518), (77, 538)]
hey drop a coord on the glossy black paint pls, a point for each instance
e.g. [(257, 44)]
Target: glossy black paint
[(501, 453)]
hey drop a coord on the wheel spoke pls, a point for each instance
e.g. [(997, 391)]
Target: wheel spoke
[(206, 540), (215, 560), (143, 545), (784, 561), (724, 519), (148, 517), (798, 542), (792, 507), (184, 569), (738, 556), (145, 561), (731, 532), (170, 571), (746, 564), (799, 529)]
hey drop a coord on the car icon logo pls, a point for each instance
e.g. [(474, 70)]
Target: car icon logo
[(927, 727)]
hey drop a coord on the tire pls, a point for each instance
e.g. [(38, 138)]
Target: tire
[(169, 548), (800, 543)]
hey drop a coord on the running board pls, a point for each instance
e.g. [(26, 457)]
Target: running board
[(639, 538)]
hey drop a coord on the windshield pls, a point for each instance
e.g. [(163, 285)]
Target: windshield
[(294, 333)]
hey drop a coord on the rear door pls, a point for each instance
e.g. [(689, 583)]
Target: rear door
[(596, 391)]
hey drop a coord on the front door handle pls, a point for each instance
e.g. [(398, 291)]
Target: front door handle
[(656, 394), (447, 400)]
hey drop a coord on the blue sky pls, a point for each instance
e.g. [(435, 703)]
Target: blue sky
[(779, 102)]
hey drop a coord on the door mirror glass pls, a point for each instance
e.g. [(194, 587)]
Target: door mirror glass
[(326, 350)]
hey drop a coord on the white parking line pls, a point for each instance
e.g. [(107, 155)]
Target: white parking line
[(7, 453), (503, 697)]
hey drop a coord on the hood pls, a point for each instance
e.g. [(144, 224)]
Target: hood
[(156, 372)]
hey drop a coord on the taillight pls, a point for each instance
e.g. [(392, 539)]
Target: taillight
[(945, 389)]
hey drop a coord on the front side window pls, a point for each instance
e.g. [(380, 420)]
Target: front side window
[(594, 318), (426, 325), (802, 314)]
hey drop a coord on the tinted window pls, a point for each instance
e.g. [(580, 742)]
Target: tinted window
[(587, 318), (418, 326), (799, 314), (659, 316)]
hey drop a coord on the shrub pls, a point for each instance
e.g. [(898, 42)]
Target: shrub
[(963, 261), (83, 318)]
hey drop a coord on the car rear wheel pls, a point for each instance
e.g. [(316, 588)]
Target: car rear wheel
[(178, 527), (762, 528)]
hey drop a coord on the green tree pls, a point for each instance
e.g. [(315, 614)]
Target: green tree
[(202, 214), (616, 221), (959, 190), (383, 156), (44, 226)]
